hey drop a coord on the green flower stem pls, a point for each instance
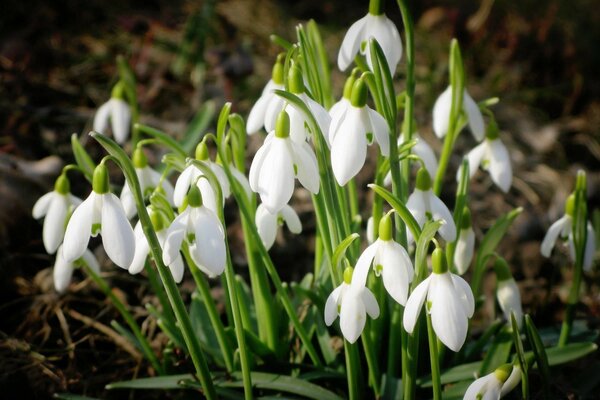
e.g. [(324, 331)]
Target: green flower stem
[(376, 7), (127, 76), (159, 290), (434, 360), (133, 325), (372, 363), (353, 370), (323, 225), (175, 299)]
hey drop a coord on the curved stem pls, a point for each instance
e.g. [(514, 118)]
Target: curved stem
[(434, 360)]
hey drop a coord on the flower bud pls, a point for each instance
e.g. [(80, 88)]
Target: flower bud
[(201, 151), (295, 81), (277, 73), (139, 158), (62, 185), (423, 180)]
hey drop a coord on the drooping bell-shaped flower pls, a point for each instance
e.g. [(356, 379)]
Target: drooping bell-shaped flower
[(149, 180), (63, 270), (507, 292), (192, 174), (563, 227), (424, 204), (338, 111), (422, 150), (117, 112), (201, 229), (299, 123), (491, 155), (350, 133), (495, 385), (267, 223), (441, 114), (56, 207), (266, 109), (352, 302), (373, 25), (465, 247), (103, 213), (389, 260), (278, 162), (449, 301), (142, 248)]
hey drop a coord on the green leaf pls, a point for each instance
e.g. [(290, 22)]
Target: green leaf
[(158, 382), (392, 387), (520, 355), (82, 158), (383, 79), (499, 352), (161, 137), (281, 42), (203, 328), (70, 396), (400, 208), (340, 250), (126, 333), (222, 122), (429, 230), (539, 351), (196, 128)]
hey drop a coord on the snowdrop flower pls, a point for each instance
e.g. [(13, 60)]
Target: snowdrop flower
[(267, 223), (63, 270), (422, 150), (276, 164), (507, 292), (56, 206), (422, 204), (102, 213), (449, 301), (390, 260), (192, 174), (465, 247), (339, 109), (142, 248), (149, 180), (374, 25), (201, 229), (267, 107), (352, 302), (495, 385), (441, 114), (350, 133), (492, 155), (564, 228), (117, 111), (299, 126)]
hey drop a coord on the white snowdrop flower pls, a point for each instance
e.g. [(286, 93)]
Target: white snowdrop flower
[(352, 302), (339, 109), (103, 213), (441, 114), (192, 174), (491, 155), (389, 260), (149, 180), (564, 228), (350, 133), (267, 107), (117, 112), (424, 204), (142, 248), (370, 230), (63, 270), (449, 301), (267, 223), (465, 246), (507, 292), (374, 25), (278, 162), (491, 386), (422, 150), (56, 207), (299, 126), (201, 229)]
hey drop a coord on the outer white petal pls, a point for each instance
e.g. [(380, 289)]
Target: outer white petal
[(128, 201), (183, 184), (465, 247), (331, 305), (353, 315), (321, 115), (117, 235), (101, 118), (397, 270), (177, 269), (306, 166), (386, 34), (448, 316), (441, 113), (349, 146), (476, 124), (500, 167), (478, 387), (256, 118), (141, 250), (513, 380), (553, 232), (380, 131), (509, 299), (120, 118), (79, 228), (266, 224), (40, 208), (154, 179), (474, 157), (337, 117), (210, 241), (209, 195), (363, 265), (298, 124), (242, 180), (62, 272), (590, 248), (291, 219), (417, 205), (464, 294), (439, 210), (222, 178), (425, 153), (175, 236), (54, 224), (351, 43), (370, 231), (370, 303), (273, 109), (276, 177), (414, 304)]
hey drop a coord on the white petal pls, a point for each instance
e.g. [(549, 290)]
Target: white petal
[(77, 234), (177, 269), (101, 118), (463, 254), (154, 179), (266, 224), (386, 34), (397, 270), (242, 180), (141, 250), (448, 316), (441, 113), (221, 178), (128, 201), (464, 293), (417, 205), (513, 380), (370, 303), (380, 130), (370, 231), (477, 388), (349, 146), (257, 162), (209, 195), (321, 116), (474, 157), (291, 219), (175, 235), (273, 109), (414, 304), (590, 248), (509, 299), (62, 273), (439, 210), (476, 124), (256, 118), (425, 153), (500, 168), (276, 177), (40, 208), (351, 43), (183, 184), (117, 234), (210, 241), (54, 224), (337, 117), (331, 305), (306, 166), (353, 315), (553, 232), (120, 118), (363, 265)]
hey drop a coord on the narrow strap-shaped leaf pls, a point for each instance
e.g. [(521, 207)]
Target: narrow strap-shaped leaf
[(82, 158), (162, 138), (539, 351), (400, 208), (521, 357), (499, 351), (340, 250), (197, 127)]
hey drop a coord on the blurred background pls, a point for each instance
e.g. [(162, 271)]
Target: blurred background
[(57, 65)]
